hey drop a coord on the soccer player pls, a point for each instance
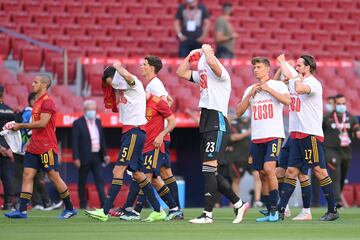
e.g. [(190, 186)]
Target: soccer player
[(266, 99), (306, 134), (149, 70), (157, 110), (42, 150), (215, 88), (131, 99)]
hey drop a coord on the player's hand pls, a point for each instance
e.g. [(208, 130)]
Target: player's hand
[(281, 58), (255, 89), (195, 51), (207, 48), (265, 87), (16, 127), (158, 141), (77, 163), (117, 64)]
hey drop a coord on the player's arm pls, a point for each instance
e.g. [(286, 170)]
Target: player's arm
[(301, 88), (183, 70), (124, 73), (211, 59), (44, 120), (245, 102), (286, 69), (284, 98), (169, 100), (277, 75), (171, 124)]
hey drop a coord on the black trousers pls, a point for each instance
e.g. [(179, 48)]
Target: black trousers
[(95, 166), (5, 176)]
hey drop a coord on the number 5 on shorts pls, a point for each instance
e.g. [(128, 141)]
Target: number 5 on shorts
[(124, 154)]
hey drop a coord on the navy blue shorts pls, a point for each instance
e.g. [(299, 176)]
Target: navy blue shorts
[(132, 144), (166, 162), (212, 145), (265, 152), (284, 155), (152, 162), (47, 161), (305, 153)]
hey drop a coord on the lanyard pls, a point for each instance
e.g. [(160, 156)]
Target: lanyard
[(194, 12), (338, 126)]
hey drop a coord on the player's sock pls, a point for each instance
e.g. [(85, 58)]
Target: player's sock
[(133, 192), (210, 188), (328, 190), (266, 202), (25, 198), (165, 194), (65, 196), (172, 185), (140, 201), (116, 184), (225, 189), (280, 184), (306, 193), (273, 200), (147, 188), (288, 189)]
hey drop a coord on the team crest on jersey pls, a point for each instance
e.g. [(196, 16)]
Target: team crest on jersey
[(148, 113)]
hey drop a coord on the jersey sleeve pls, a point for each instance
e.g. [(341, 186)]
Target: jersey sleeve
[(120, 83), (195, 76), (282, 88), (157, 89), (224, 73), (247, 91), (164, 109), (48, 106), (315, 87)]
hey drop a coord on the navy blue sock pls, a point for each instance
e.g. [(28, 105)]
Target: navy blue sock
[(328, 190), (25, 198), (306, 193), (273, 200), (140, 202), (172, 185), (266, 202), (225, 189), (65, 196), (133, 192), (113, 192), (280, 184), (288, 189), (210, 187), (147, 188), (165, 194)]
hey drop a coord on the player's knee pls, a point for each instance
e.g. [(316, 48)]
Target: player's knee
[(320, 173), (28, 176), (303, 177), (165, 172), (118, 171), (157, 182), (291, 172), (280, 172)]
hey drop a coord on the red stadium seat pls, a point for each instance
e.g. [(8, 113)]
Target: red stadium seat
[(321, 36), (116, 9), (17, 44), (299, 14), (85, 41), (32, 58), (339, 14), (32, 7), (269, 24), (85, 18), (20, 18), (12, 100), (95, 83), (289, 4), (290, 24), (42, 18), (106, 19), (4, 45), (15, 89), (116, 52), (11, 6), (127, 20), (318, 14), (355, 16), (341, 36), (59, 70), (158, 33), (309, 4), (64, 18), (26, 78), (156, 10), (259, 13), (104, 41), (279, 14), (75, 52), (281, 35), (30, 29), (149, 44), (138, 33), (115, 31), (74, 30), (96, 52), (95, 30), (146, 21), (54, 6), (330, 25), (52, 29), (127, 43), (75, 7), (96, 8), (136, 9), (347, 5), (50, 56), (62, 40)]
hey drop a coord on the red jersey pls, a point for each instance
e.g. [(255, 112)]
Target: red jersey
[(156, 111), (43, 139)]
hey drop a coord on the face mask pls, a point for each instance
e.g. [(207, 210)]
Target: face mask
[(246, 114), (329, 108), (340, 108), (90, 114)]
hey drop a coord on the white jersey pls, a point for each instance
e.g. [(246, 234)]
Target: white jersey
[(131, 102), (267, 112), (306, 110), (214, 91), (156, 88)]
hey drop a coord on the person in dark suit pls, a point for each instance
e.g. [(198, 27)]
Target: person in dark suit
[(89, 151)]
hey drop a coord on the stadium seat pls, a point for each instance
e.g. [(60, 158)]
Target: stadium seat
[(321, 36), (4, 45), (299, 14), (85, 41), (30, 29), (330, 25), (95, 8), (95, 83), (116, 52), (12, 101), (54, 6), (341, 36), (75, 52), (73, 30), (95, 30), (104, 41), (62, 41), (136, 10), (52, 29), (115, 31), (26, 78), (156, 10), (15, 89), (11, 7), (32, 58), (289, 4), (116, 9), (145, 21), (85, 18), (106, 20), (339, 14), (64, 18), (355, 16), (20, 18), (59, 70), (32, 7), (17, 44), (95, 52)]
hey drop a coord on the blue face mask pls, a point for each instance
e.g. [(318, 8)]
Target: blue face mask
[(329, 108), (90, 114), (340, 108), (246, 114)]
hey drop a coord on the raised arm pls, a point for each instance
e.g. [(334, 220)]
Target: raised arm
[(286, 69), (183, 70), (211, 59), (124, 73)]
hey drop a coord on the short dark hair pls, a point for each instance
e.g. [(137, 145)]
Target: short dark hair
[(309, 61), (109, 71), (330, 98), (155, 62), (263, 60), (31, 97), (340, 95)]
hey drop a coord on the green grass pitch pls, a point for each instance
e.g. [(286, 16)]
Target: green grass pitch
[(45, 225)]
